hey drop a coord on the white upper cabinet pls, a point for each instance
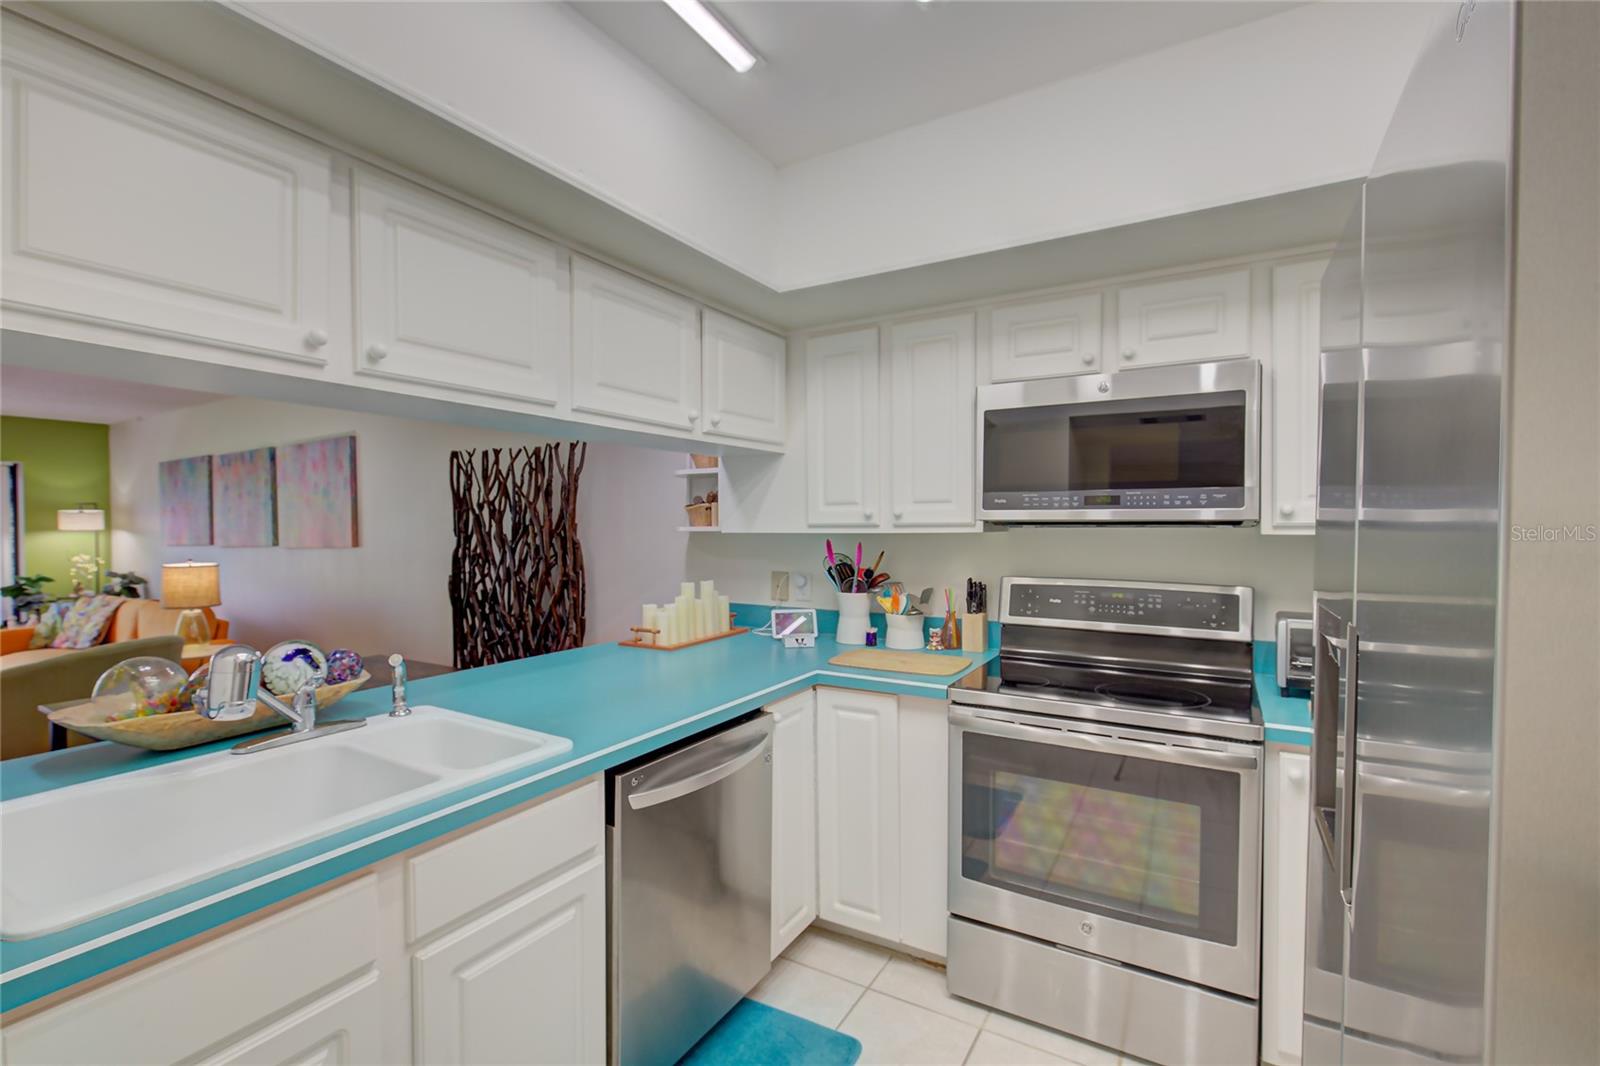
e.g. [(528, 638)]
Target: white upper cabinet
[(842, 460), (1045, 338), (932, 392), (1289, 460), (743, 368), (452, 296), (132, 202), (635, 348), (1185, 320)]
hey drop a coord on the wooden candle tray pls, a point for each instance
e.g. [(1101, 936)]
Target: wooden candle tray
[(636, 643)]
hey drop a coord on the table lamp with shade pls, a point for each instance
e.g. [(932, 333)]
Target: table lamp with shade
[(189, 587), (85, 518)]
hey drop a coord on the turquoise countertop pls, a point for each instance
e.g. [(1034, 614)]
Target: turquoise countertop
[(1287, 718), (613, 703)]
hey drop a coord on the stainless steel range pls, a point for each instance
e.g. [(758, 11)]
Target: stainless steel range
[(1105, 818)]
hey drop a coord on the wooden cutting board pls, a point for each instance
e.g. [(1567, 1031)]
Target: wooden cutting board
[(902, 662)]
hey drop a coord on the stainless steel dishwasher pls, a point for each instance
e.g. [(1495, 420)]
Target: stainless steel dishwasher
[(689, 878)]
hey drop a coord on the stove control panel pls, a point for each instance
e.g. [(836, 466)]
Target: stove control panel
[(1193, 610)]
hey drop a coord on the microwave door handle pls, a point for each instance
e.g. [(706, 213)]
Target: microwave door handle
[(1062, 737), (1347, 798)]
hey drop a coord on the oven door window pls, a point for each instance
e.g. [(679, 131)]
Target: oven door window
[(1147, 842), (1193, 443)]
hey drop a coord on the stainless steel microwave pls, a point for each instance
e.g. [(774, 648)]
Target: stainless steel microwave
[(1152, 445)]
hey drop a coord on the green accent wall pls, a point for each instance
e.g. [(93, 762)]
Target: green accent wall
[(64, 464)]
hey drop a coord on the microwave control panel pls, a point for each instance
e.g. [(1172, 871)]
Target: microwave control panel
[(1117, 499), (1157, 608)]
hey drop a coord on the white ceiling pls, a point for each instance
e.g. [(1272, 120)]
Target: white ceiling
[(31, 393), (837, 72)]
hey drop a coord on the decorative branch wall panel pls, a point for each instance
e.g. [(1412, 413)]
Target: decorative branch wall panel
[(516, 579)]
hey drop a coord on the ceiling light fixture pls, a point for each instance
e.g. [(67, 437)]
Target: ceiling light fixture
[(714, 33)]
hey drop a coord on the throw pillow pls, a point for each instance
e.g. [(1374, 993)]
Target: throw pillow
[(49, 624), (85, 621)]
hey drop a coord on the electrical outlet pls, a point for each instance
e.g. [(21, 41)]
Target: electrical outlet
[(780, 586), (802, 588)]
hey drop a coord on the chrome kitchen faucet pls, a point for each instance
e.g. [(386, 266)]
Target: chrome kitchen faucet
[(233, 687)]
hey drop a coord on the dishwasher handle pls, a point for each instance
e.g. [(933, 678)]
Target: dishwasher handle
[(678, 787)]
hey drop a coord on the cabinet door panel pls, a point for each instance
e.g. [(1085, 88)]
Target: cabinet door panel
[(132, 202), (744, 379), (1184, 320), (342, 1028), (1045, 338), (924, 733), (858, 811), (841, 409), (1287, 827), (794, 818), (524, 983), (635, 348), (451, 296), (1290, 460), (934, 386)]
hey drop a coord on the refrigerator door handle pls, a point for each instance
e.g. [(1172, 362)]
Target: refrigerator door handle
[(1325, 731), (1347, 796)]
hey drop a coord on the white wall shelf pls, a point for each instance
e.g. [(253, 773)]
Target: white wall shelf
[(698, 471)]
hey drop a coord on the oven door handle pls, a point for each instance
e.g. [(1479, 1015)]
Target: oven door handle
[(1063, 737)]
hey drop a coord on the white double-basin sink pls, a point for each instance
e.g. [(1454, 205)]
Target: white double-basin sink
[(86, 850)]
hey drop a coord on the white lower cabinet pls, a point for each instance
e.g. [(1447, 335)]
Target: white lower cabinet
[(794, 817), (1287, 831), (858, 811), (510, 967), (523, 983), (924, 841)]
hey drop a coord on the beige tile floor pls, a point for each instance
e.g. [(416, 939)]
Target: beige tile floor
[(898, 1008)]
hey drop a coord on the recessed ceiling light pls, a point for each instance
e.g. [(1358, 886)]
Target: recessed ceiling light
[(714, 33)]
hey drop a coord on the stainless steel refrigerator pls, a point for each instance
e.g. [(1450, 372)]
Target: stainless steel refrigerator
[(1413, 321)]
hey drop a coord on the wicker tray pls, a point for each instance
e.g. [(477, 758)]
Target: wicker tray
[(182, 729)]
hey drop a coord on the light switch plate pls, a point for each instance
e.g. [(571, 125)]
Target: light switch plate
[(780, 586)]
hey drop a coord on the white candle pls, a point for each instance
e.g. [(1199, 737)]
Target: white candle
[(724, 605), (686, 590), (708, 591), (649, 622)]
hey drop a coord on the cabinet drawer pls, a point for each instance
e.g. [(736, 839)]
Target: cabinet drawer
[(340, 1029), (470, 872), (180, 1007)]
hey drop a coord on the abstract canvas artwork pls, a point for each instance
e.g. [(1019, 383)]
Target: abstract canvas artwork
[(244, 490), (186, 500), (317, 494)]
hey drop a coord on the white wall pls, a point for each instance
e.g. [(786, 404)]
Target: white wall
[(390, 593), (544, 84), (1288, 102), (1278, 568), (630, 512)]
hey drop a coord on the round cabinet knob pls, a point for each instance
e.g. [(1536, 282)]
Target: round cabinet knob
[(716, 420), (1105, 386), (1128, 354), (1286, 509), (867, 515), (694, 416), (899, 513), (316, 338), (1297, 774), (1088, 359), (377, 353)]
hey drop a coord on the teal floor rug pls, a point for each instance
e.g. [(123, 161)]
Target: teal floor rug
[(754, 1034)]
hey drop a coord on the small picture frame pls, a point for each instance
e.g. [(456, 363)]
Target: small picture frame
[(795, 626)]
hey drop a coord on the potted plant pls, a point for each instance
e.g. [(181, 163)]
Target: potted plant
[(26, 594), (125, 583)]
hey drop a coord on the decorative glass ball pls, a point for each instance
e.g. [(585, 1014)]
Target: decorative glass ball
[(343, 665), (140, 687), (288, 666)]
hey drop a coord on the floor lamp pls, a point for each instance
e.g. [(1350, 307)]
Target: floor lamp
[(85, 518)]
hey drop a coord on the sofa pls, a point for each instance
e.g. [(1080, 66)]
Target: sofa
[(133, 620), (60, 678)]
